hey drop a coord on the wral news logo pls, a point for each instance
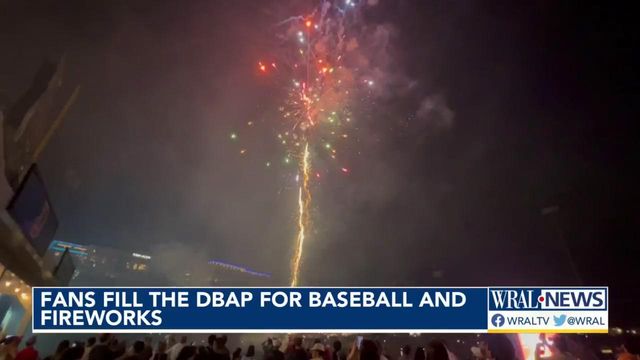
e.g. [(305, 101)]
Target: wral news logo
[(548, 309), (548, 299)]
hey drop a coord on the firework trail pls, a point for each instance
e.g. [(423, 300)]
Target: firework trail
[(304, 201)]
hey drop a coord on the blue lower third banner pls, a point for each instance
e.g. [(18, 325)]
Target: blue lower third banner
[(308, 309)]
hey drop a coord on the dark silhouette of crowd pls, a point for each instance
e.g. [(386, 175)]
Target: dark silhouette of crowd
[(109, 347)]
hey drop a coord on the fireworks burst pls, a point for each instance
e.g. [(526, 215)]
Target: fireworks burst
[(322, 71)]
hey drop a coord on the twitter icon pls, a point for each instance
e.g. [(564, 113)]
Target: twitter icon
[(559, 320)]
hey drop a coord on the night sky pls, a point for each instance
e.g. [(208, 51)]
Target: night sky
[(534, 103)]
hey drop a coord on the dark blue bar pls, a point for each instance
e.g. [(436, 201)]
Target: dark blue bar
[(471, 316)]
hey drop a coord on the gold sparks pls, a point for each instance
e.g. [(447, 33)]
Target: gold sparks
[(304, 200)]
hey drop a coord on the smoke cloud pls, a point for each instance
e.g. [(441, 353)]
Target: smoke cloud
[(433, 114)]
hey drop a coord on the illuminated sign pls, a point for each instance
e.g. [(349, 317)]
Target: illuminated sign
[(141, 256), (31, 209), (74, 249)]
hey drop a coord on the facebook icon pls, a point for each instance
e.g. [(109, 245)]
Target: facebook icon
[(497, 320)]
